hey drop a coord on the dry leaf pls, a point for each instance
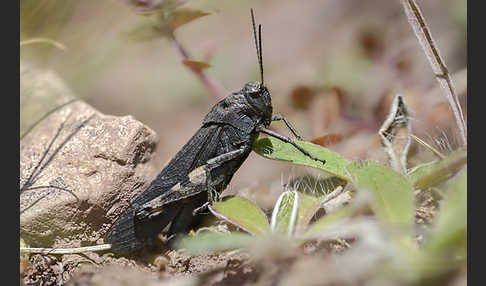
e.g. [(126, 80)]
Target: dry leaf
[(325, 111), (183, 16), (328, 140), (195, 65), (301, 97)]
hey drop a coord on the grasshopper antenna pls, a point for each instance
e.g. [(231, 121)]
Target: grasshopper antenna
[(258, 43), (260, 49)]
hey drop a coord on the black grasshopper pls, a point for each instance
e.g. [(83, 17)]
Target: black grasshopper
[(203, 168)]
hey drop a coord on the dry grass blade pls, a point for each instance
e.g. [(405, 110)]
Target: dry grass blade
[(417, 21), (422, 142), (100, 247), (43, 41)]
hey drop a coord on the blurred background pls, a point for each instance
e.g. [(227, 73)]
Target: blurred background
[(332, 67)]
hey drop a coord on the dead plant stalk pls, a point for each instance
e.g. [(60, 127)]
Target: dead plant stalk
[(417, 21)]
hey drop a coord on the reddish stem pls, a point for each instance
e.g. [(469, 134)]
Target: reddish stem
[(213, 86)]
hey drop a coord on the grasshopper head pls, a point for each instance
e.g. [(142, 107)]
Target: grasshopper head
[(259, 98), (256, 93)]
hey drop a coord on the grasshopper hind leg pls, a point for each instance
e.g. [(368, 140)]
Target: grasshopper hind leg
[(185, 220)]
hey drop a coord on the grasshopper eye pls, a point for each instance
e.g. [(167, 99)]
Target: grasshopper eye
[(255, 94)]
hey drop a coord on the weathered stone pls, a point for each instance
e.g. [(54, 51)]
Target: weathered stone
[(79, 169), (40, 92)]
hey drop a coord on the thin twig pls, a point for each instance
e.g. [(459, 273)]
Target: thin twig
[(54, 187), (100, 247), (333, 195), (213, 86), (30, 180), (41, 165), (45, 195), (33, 204), (417, 21), (46, 115)]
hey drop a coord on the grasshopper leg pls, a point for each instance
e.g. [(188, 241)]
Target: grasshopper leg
[(278, 117)]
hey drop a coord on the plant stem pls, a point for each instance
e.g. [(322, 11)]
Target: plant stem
[(417, 21), (214, 87)]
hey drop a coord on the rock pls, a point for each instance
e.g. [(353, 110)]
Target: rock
[(79, 169), (40, 92)]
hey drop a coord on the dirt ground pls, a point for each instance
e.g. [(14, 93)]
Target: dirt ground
[(161, 266), (172, 268)]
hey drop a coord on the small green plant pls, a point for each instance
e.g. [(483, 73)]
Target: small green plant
[(290, 221)]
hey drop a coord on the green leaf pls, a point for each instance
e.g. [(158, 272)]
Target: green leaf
[(315, 186), (432, 173), (275, 149), (325, 222), (444, 249), (450, 231), (210, 242), (284, 216), (243, 213), (393, 195), (308, 206)]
